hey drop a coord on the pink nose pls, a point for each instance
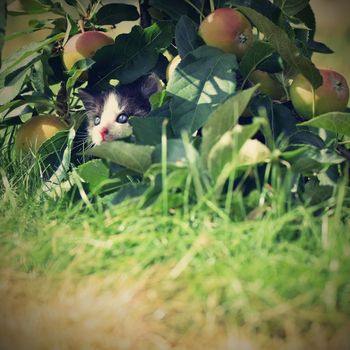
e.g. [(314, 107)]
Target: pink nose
[(104, 133)]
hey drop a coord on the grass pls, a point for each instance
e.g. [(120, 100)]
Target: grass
[(185, 280), (273, 275)]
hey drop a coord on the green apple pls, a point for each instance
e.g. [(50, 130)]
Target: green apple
[(34, 132), (268, 84), (228, 30), (331, 96), (84, 45)]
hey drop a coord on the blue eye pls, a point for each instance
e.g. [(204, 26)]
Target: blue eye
[(122, 118), (97, 120)]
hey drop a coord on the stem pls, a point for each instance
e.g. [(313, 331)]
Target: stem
[(344, 152), (164, 168), (341, 196), (193, 167), (196, 9), (94, 9), (145, 18), (82, 9), (313, 102), (212, 6), (284, 86), (81, 25), (228, 201)]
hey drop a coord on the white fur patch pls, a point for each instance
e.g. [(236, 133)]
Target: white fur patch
[(111, 110)]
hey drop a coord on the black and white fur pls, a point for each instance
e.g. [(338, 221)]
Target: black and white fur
[(108, 111)]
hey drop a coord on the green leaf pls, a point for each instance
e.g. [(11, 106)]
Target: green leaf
[(22, 55), (256, 54), (186, 36), (202, 80), (53, 187), (35, 25), (292, 7), (12, 89), (309, 159), (176, 153), (71, 2), (307, 16), (316, 193), (181, 8), (54, 145), (224, 118), (35, 100), (282, 121), (338, 122), (130, 190), (32, 7), (77, 70), (279, 39), (148, 131), (115, 13), (68, 31), (5, 123), (133, 157), (95, 173), (21, 69), (316, 46), (265, 7), (38, 78), (158, 99), (234, 149), (306, 137), (273, 64), (132, 55)]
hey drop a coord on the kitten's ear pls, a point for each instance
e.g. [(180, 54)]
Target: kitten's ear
[(88, 98), (150, 84)]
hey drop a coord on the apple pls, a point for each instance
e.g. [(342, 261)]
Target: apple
[(172, 66), (253, 152), (268, 85), (84, 45), (34, 132), (228, 30), (331, 96)]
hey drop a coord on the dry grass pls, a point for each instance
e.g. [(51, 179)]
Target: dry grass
[(116, 313)]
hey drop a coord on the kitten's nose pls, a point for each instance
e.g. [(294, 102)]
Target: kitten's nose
[(104, 132)]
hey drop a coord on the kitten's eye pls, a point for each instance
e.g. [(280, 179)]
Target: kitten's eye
[(122, 118), (97, 120)]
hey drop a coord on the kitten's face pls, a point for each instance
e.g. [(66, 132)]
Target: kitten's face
[(108, 112)]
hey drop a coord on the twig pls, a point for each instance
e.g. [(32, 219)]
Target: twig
[(146, 20), (344, 152)]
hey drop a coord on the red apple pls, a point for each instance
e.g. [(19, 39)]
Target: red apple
[(84, 45), (228, 30), (268, 85), (331, 96), (33, 133)]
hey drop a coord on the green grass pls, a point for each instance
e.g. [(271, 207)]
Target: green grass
[(262, 273)]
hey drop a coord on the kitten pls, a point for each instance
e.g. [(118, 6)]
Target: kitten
[(108, 111)]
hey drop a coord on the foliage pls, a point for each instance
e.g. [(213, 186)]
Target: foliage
[(242, 203), (209, 91), (209, 127)]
